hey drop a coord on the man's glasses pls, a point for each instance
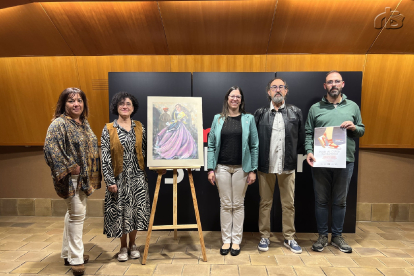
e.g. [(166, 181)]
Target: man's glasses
[(275, 87), (330, 82)]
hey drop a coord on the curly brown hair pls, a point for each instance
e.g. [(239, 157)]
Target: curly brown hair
[(119, 98)]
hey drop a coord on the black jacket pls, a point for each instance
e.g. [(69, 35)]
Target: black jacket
[(294, 135)]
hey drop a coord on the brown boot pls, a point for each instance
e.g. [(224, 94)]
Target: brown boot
[(78, 270), (85, 260)]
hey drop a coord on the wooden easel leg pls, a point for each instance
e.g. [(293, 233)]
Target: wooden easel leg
[(200, 230), (175, 202), (151, 222)]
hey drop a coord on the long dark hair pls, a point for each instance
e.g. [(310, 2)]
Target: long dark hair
[(63, 98), (225, 111)]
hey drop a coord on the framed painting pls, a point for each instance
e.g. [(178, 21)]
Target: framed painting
[(175, 132)]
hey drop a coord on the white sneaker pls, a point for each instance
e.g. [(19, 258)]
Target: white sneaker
[(123, 254), (134, 253)]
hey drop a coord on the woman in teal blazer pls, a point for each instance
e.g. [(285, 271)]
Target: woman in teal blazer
[(232, 161)]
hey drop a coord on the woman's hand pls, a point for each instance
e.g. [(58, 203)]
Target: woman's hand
[(113, 188), (251, 178), (76, 171), (212, 177)]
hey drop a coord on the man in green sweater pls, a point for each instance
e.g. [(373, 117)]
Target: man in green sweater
[(333, 110)]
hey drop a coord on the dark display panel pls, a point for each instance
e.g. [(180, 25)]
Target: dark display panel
[(305, 89)]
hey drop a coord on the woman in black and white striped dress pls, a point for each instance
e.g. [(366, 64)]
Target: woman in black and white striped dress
[(127, 203)]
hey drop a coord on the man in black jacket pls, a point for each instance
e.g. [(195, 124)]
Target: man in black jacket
[(281, 135)]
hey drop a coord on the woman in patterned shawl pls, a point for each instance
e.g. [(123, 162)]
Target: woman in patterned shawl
[(71, 152), (127, 204)]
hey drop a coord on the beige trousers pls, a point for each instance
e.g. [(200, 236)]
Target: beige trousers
[(232, 186), (72, 245), (287, 197)]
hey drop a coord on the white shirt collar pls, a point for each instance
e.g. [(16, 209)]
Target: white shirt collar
[(272, 107)]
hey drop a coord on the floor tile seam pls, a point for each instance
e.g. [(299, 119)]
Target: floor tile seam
[(46, 267), (348, 268), (40, 249), (294, 268), (338, 257), (395, 258), (16, 267), (35, 261), (16, 248), (408, 271)]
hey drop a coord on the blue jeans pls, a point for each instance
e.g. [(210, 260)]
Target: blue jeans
[(327, 183)]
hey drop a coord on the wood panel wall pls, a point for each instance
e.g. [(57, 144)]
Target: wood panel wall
[(26, 30), (109, 28), (94, 80), (315, 63), (247, 27), (387, 101), (29, 87)]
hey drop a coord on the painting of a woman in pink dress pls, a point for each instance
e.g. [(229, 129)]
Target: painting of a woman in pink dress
[(175, 140)]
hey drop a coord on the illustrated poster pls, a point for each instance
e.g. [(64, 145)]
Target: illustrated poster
[(330, 147), (175, 132)]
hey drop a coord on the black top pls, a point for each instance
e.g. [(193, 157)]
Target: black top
[(231, 142)]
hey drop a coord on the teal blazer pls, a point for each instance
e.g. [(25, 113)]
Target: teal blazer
[(250, 142)]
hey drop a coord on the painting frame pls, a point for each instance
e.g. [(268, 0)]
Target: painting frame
[(175, 132)]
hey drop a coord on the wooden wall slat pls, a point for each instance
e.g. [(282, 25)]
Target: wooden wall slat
[(217, 27), (12, 3), (203, 63), (90, 69), (399, 40), (97, 68), (325, 26), (110, 28), (140, 63), (26, 30), (387, 102), (315, 63), (30, 88)]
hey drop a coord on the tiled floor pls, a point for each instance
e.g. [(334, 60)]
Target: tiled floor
[(31, 245)]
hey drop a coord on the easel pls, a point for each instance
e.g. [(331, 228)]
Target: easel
[(175, 226)]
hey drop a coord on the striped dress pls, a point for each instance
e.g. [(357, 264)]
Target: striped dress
[(129, 208)]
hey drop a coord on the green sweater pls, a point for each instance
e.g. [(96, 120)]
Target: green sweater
[(324, 114)]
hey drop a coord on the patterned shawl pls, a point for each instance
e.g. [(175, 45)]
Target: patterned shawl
[(67, 145)]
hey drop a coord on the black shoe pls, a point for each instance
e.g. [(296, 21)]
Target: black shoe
[(340, 243), (235, 252), (224, 252), (321, 243)]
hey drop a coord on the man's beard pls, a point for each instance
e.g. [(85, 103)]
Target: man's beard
[(335, 94), (278, 98)]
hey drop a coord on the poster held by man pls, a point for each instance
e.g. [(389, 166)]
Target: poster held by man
[(330, 147)]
